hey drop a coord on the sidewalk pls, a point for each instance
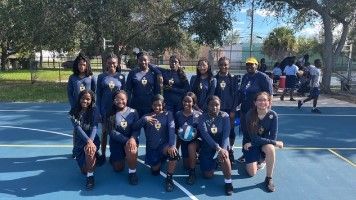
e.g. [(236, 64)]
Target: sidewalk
[(323, 101)]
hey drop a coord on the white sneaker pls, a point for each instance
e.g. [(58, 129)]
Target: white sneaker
[(261, 165)]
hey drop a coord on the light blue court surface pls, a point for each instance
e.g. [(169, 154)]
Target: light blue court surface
[(319, 161)]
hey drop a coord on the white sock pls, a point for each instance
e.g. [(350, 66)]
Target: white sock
[(228, 180), (90, 174), (132, 171)]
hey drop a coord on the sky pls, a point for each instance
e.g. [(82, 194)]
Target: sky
[(264, 23)]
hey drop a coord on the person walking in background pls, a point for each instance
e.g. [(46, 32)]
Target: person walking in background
[(291, 72), (314, 73)]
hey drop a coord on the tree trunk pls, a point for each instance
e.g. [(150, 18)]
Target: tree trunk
[(328, 58), (4, 57)]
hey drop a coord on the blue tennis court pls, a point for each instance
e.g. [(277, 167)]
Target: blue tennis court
[(318, 161)]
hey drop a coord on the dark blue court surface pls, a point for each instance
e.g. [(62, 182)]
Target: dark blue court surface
[(318, 161)]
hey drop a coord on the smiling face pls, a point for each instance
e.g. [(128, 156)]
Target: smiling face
[(82, 66), (224, 66), (188, 103), (203, 67), (120, 101), (174, 63), (111, 64), (214, 107), (263, 102), (85, 100), (143, 62), (251, 68), (157, 106)]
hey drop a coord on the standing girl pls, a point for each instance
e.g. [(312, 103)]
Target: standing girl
[(123, 137), (108, 83), (141, 86), (175, 84), (227, 91), (85, 122), (160, 140), (214, 127), (203, 84), (291, 72), (262, 127), (186, 126), (81, 79)]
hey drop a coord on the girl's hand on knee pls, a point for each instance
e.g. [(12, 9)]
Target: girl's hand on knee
[(131, 144), (172, 151), (279, 144), (247, 146)]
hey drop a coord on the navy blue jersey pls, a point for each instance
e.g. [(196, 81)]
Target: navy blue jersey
[(106, 85), (214, 131), (85, 127), (227, 91), (141, 87), (205, 89), (158, 134), (174, 88), (191, 120), (76, 85), (121, 126), (267, 130), (252, 84)]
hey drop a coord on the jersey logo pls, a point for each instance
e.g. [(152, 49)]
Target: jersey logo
[(144, 81), (82, 87), (171, 81), (213, 129), (123, 124), (222, 85), (201, 86), (158, 126), (271, 116), (121, 77), (261, 130), (111, 85)]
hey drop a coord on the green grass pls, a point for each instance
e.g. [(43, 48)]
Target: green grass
[(38, 75), (36, 92)]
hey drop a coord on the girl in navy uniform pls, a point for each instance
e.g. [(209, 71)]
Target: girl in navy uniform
[(203, 84), (160, 140), (252, 83), (141, 86), (81, 79), (108, 82), (227, 91), (123, 137), (214, 127), (84, 118), (262, 128), (186, 126), (175, 84)]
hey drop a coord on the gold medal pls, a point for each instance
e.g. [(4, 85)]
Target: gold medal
[(261, 130), (123, 124), (222, 85), (111, 85), (213, 129), (144, 81), (157, 126), (81, 87), (171, 81)]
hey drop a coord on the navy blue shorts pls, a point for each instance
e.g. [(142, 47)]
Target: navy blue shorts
[(117, 151), (291, 81), (314, 92), (155, 156), (254, 154), (207, 161), (184, 147)]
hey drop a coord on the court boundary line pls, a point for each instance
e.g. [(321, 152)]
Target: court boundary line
[(35, 129), (342, 158), (49, 111)]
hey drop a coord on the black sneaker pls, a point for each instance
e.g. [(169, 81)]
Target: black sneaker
[(229, 189), (90, 183), (269, 184), (100, 160), (281, 98), (241, 159), (291, 99), (191, 177), (169, 184), (133, 179), (300, 103), (231, 156), (315, 110)]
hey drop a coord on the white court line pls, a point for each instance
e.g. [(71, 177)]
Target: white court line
[(342, 158), (189, 194), (49, 111), (39, 130)]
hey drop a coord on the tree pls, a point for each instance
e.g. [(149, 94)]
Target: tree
[(331, 13), (307, 46), (280, 43)]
